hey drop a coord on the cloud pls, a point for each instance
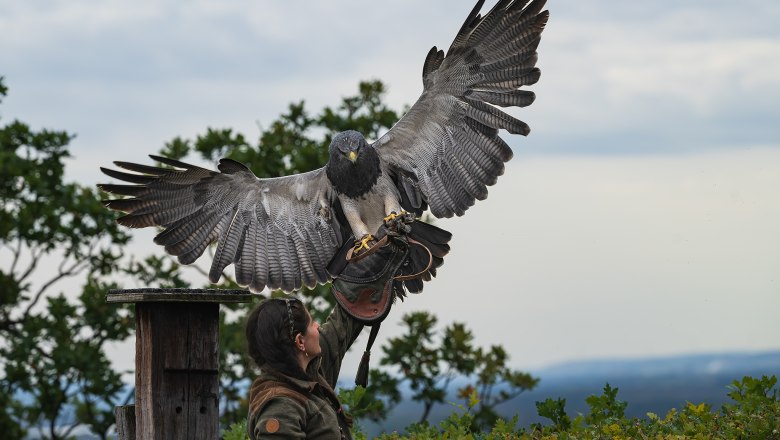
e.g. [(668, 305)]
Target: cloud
[(617, 78), (635, 218), (637, 256), (631, 80)]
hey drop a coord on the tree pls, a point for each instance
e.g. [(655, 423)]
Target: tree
[(429, 364), (495, 383), (54, 370)]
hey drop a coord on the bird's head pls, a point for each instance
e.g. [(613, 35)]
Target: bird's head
[(354, 166), (347, 145)]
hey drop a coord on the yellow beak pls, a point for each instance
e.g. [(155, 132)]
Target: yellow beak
[(352, 156)]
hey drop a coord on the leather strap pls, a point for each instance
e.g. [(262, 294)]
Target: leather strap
[(383, 242), (379, 244), (417, 275)]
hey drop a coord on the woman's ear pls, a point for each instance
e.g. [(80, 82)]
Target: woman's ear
[(299, 341)]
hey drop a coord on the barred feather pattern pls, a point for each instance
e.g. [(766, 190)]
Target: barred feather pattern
[(272, 230), (448, 142)]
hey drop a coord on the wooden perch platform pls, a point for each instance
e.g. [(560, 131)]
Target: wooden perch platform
[(220, 296), (176, 361)]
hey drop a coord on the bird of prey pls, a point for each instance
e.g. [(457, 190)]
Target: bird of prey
[(441, 156)]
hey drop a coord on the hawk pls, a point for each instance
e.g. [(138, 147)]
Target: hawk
[(441, 156)]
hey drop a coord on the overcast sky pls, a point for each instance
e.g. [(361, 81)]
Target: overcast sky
[(639, 218)]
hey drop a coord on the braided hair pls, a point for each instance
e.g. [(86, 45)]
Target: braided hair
[(270, 334)]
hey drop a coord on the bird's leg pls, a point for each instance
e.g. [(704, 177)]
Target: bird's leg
[(390, 217), (399, 222), (394, 208), (359, 229), (363, 243)]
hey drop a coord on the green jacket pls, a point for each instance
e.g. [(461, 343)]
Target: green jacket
[(285, 407)]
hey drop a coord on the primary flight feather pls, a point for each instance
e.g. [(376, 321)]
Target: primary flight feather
[(283, 232)]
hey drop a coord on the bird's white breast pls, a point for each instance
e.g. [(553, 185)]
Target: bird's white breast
[(373, 207)]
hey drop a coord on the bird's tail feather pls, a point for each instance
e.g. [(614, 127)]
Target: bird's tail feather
[(436, 240)]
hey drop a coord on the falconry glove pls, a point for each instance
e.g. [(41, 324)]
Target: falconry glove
[(366, 284)]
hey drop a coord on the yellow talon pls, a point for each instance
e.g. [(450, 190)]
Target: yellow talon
[(363, 243), (393, 215)]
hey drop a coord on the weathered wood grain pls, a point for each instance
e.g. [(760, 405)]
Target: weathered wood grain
[(177, 362)]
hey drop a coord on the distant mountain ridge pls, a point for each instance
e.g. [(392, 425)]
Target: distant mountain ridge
[(706, 364), (653, 384)]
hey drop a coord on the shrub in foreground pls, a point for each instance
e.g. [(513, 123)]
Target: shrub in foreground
[(754, 414)]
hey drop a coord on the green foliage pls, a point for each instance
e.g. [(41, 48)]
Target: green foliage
[(428, 360), (236, 431), (52, 343), (605, 408), (419, 361), (555, 410), (754, 415), (156, 271), (753, 397), (496, 383), (359, 404), (11, 413)]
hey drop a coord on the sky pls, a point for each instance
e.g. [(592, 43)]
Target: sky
[(637, 219)]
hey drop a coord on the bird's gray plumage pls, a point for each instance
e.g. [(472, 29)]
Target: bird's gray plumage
[(443, 154), (448, 142), (280, 232)]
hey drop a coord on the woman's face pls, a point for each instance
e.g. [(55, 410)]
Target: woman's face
[(311, 340)]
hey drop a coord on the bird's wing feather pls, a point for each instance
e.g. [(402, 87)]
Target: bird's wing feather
[(279, 232), (447, 146)]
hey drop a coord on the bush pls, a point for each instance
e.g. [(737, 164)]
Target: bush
[(755, 414), (236, 431)]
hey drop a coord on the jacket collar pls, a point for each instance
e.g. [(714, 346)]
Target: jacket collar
[(300, 384)]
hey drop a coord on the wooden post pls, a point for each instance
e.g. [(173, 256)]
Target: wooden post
[(177, 360), (125, 422)]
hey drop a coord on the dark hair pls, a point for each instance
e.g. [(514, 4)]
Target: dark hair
[(270, 334)]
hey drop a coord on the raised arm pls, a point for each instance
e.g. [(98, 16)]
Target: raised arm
[(336, 336)]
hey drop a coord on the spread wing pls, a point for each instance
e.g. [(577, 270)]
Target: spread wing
[(446, 150), (279, 232)]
